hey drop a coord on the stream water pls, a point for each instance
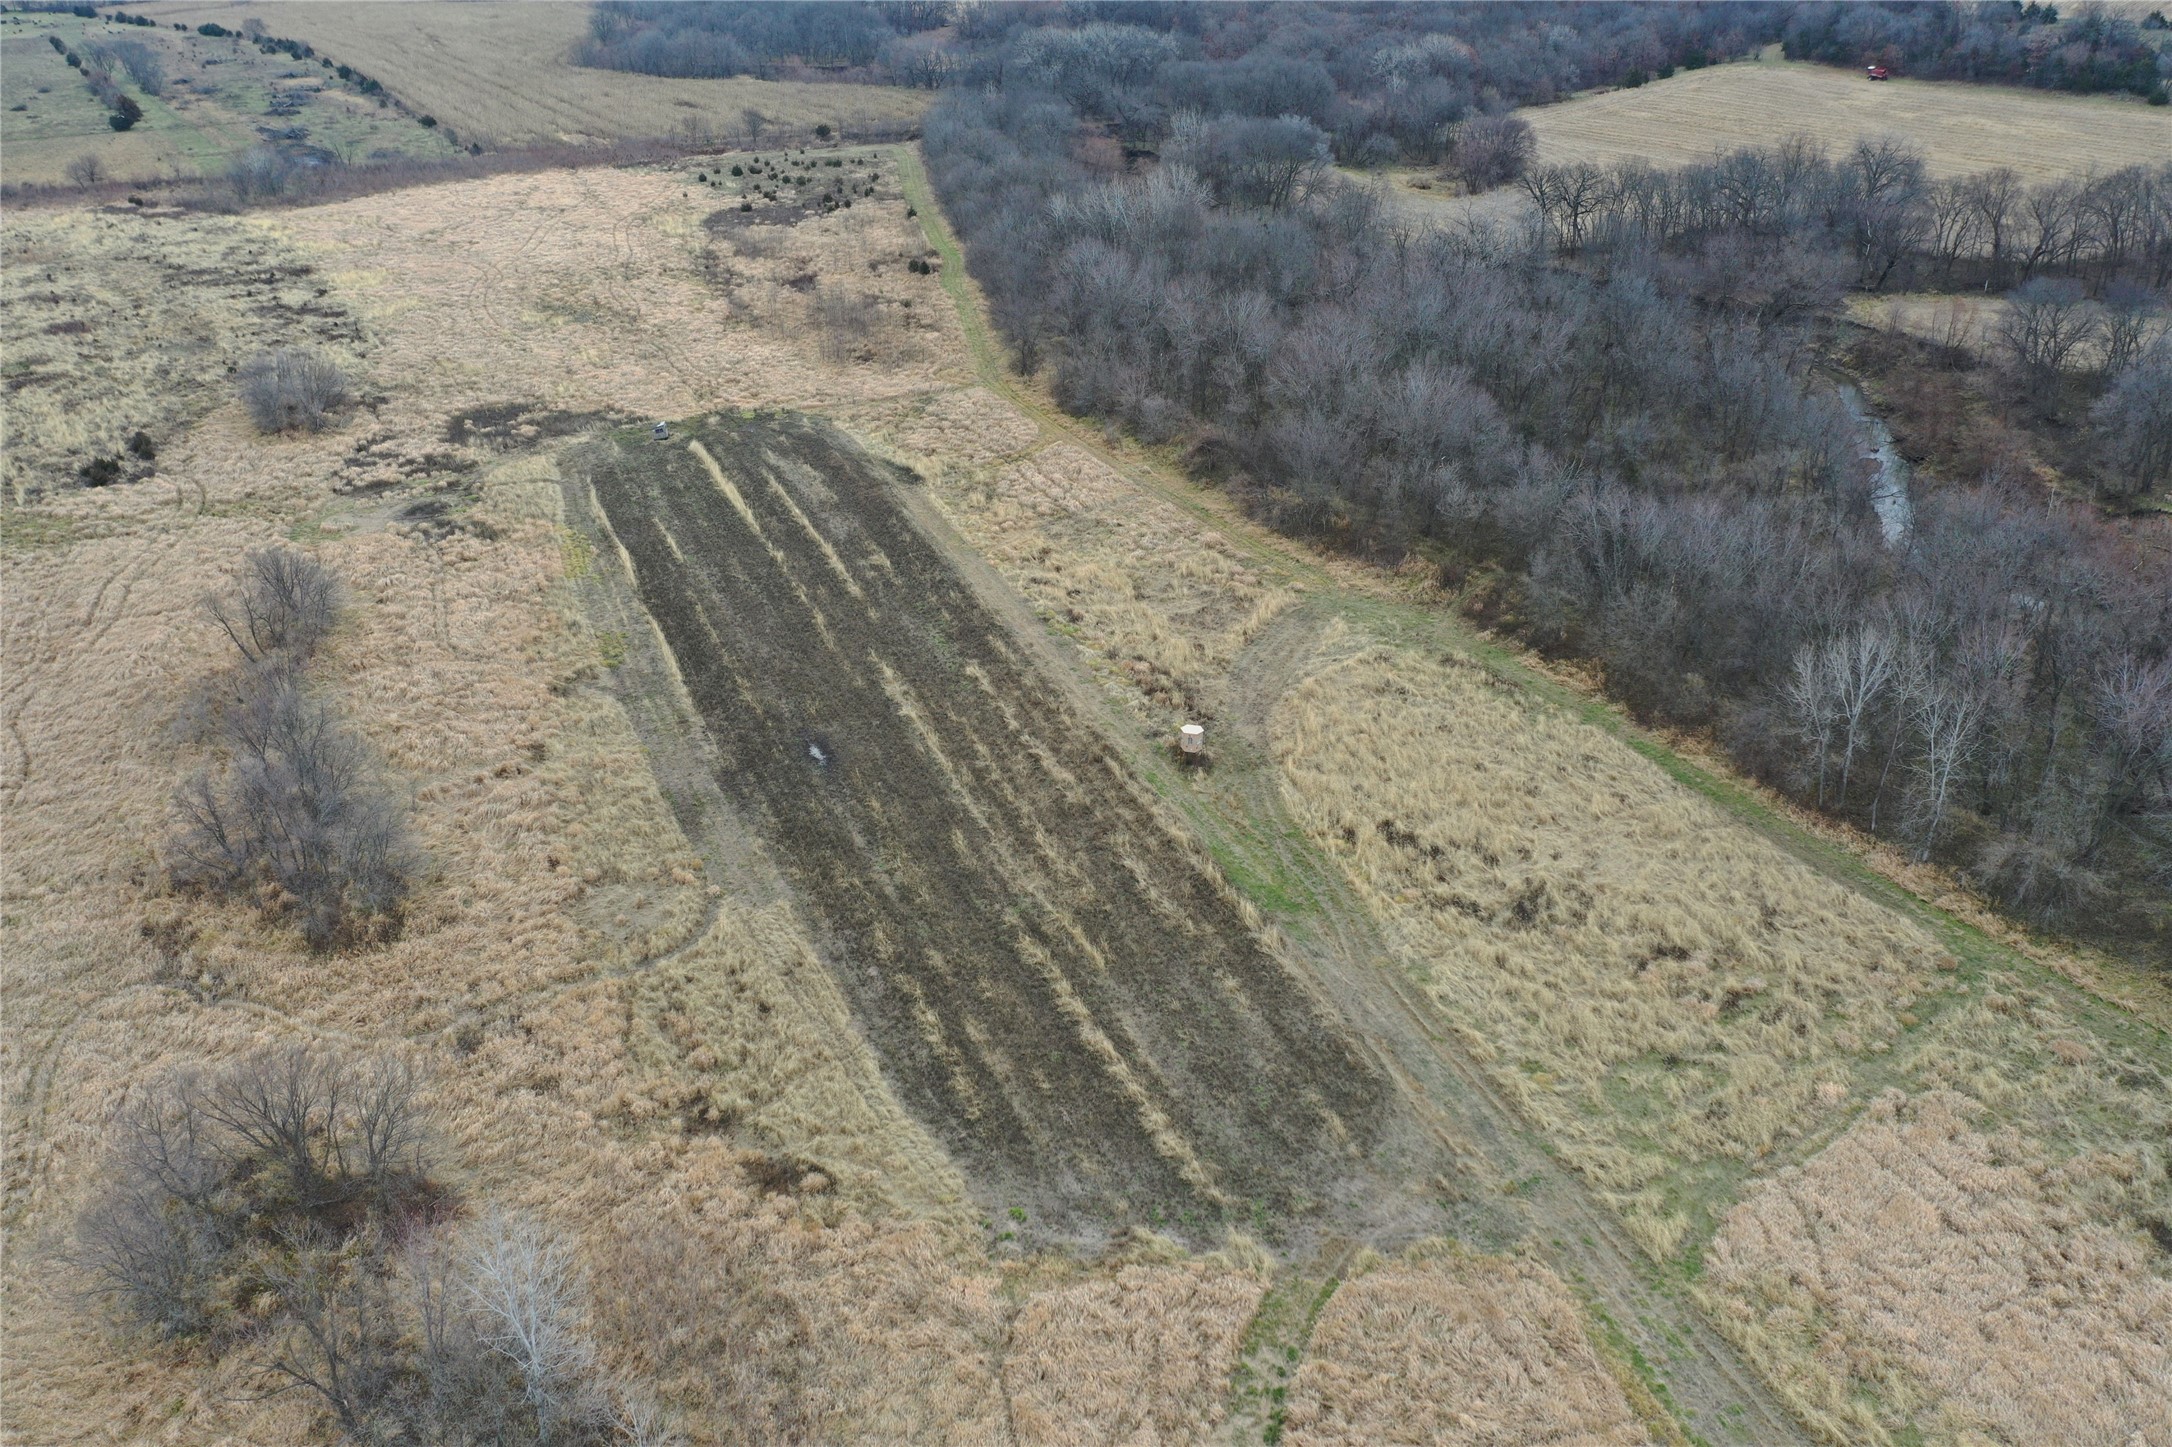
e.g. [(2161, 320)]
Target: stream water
[(1889, 491)]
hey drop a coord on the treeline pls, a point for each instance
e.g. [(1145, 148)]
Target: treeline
[(704, 38), (1630, 462), (1878, 205), (2088, 49), (1385, 81)]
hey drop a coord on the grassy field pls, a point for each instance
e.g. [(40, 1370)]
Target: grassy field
[(497, 73), (1808, 1094), (218, 100), (1694, 114)]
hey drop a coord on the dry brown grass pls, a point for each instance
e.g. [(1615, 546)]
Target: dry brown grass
[(1657, 987), (1163, 603), (115, 322), (578, 1078), (1940, 1268), (498, 73), (1448, 1349), (1140, 1356), (1960, 128), (652, 1065), (1691, 116)]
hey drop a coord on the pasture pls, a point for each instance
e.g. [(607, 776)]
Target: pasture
[(1696, 114), (1960, 128), (218, 98), (499, 73)]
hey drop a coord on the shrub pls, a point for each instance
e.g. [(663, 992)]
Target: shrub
[(292, 387), (141, 444), (100, 472), (286, 605), (292, 1147), (429, 123), (214, 30), (844, 322), (1493, 150), (126, 112), (299, 820), (58, 44)]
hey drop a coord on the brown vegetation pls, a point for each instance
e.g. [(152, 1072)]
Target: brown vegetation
[(1933, 1263), (502, 74), (1440, 1348)]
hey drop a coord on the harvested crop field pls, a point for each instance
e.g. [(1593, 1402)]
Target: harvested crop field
[(1960, 127), (502, 73), (1060, 987)]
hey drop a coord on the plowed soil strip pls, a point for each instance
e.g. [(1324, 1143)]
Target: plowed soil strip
[(1053, 982)]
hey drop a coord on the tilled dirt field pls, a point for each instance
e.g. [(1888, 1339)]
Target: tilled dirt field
[(1053, 980)]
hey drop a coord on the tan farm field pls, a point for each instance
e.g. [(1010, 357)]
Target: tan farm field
[(1960, 128), (1695, 114), (626, 1027), (500, 73)]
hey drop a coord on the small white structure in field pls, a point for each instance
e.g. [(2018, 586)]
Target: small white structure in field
[(1191, 738), (662, 433)]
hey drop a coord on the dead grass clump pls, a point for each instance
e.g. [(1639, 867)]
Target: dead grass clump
[(1658, 989), (846, 322), (1929, 1268), (1450, 1350), (1143, 1356)]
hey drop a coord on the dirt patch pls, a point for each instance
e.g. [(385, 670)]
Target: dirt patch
[(508, 426), (1055, 981)]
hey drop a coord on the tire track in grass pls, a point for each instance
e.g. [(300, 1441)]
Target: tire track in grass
[(1698, 1386)]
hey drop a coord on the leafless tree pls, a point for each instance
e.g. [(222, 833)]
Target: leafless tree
[(2045, 322), (1996, 196), (290, 388), (2133, 318), (286, 604), (756, 123), (1946, 713), (2134, 422), (1813, 702), (152, 1239), (341, 1339), (1490, 151), (526, 1290), (1861, 665), (86, 170)]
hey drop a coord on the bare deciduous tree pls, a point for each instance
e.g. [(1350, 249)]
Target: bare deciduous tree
[(286, 604), (1490, 151), (526, 1289), (2044, 324), (290, 388)]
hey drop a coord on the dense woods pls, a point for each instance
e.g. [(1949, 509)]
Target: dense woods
[(2086, 49), (1375, 75), (1613, 433)]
